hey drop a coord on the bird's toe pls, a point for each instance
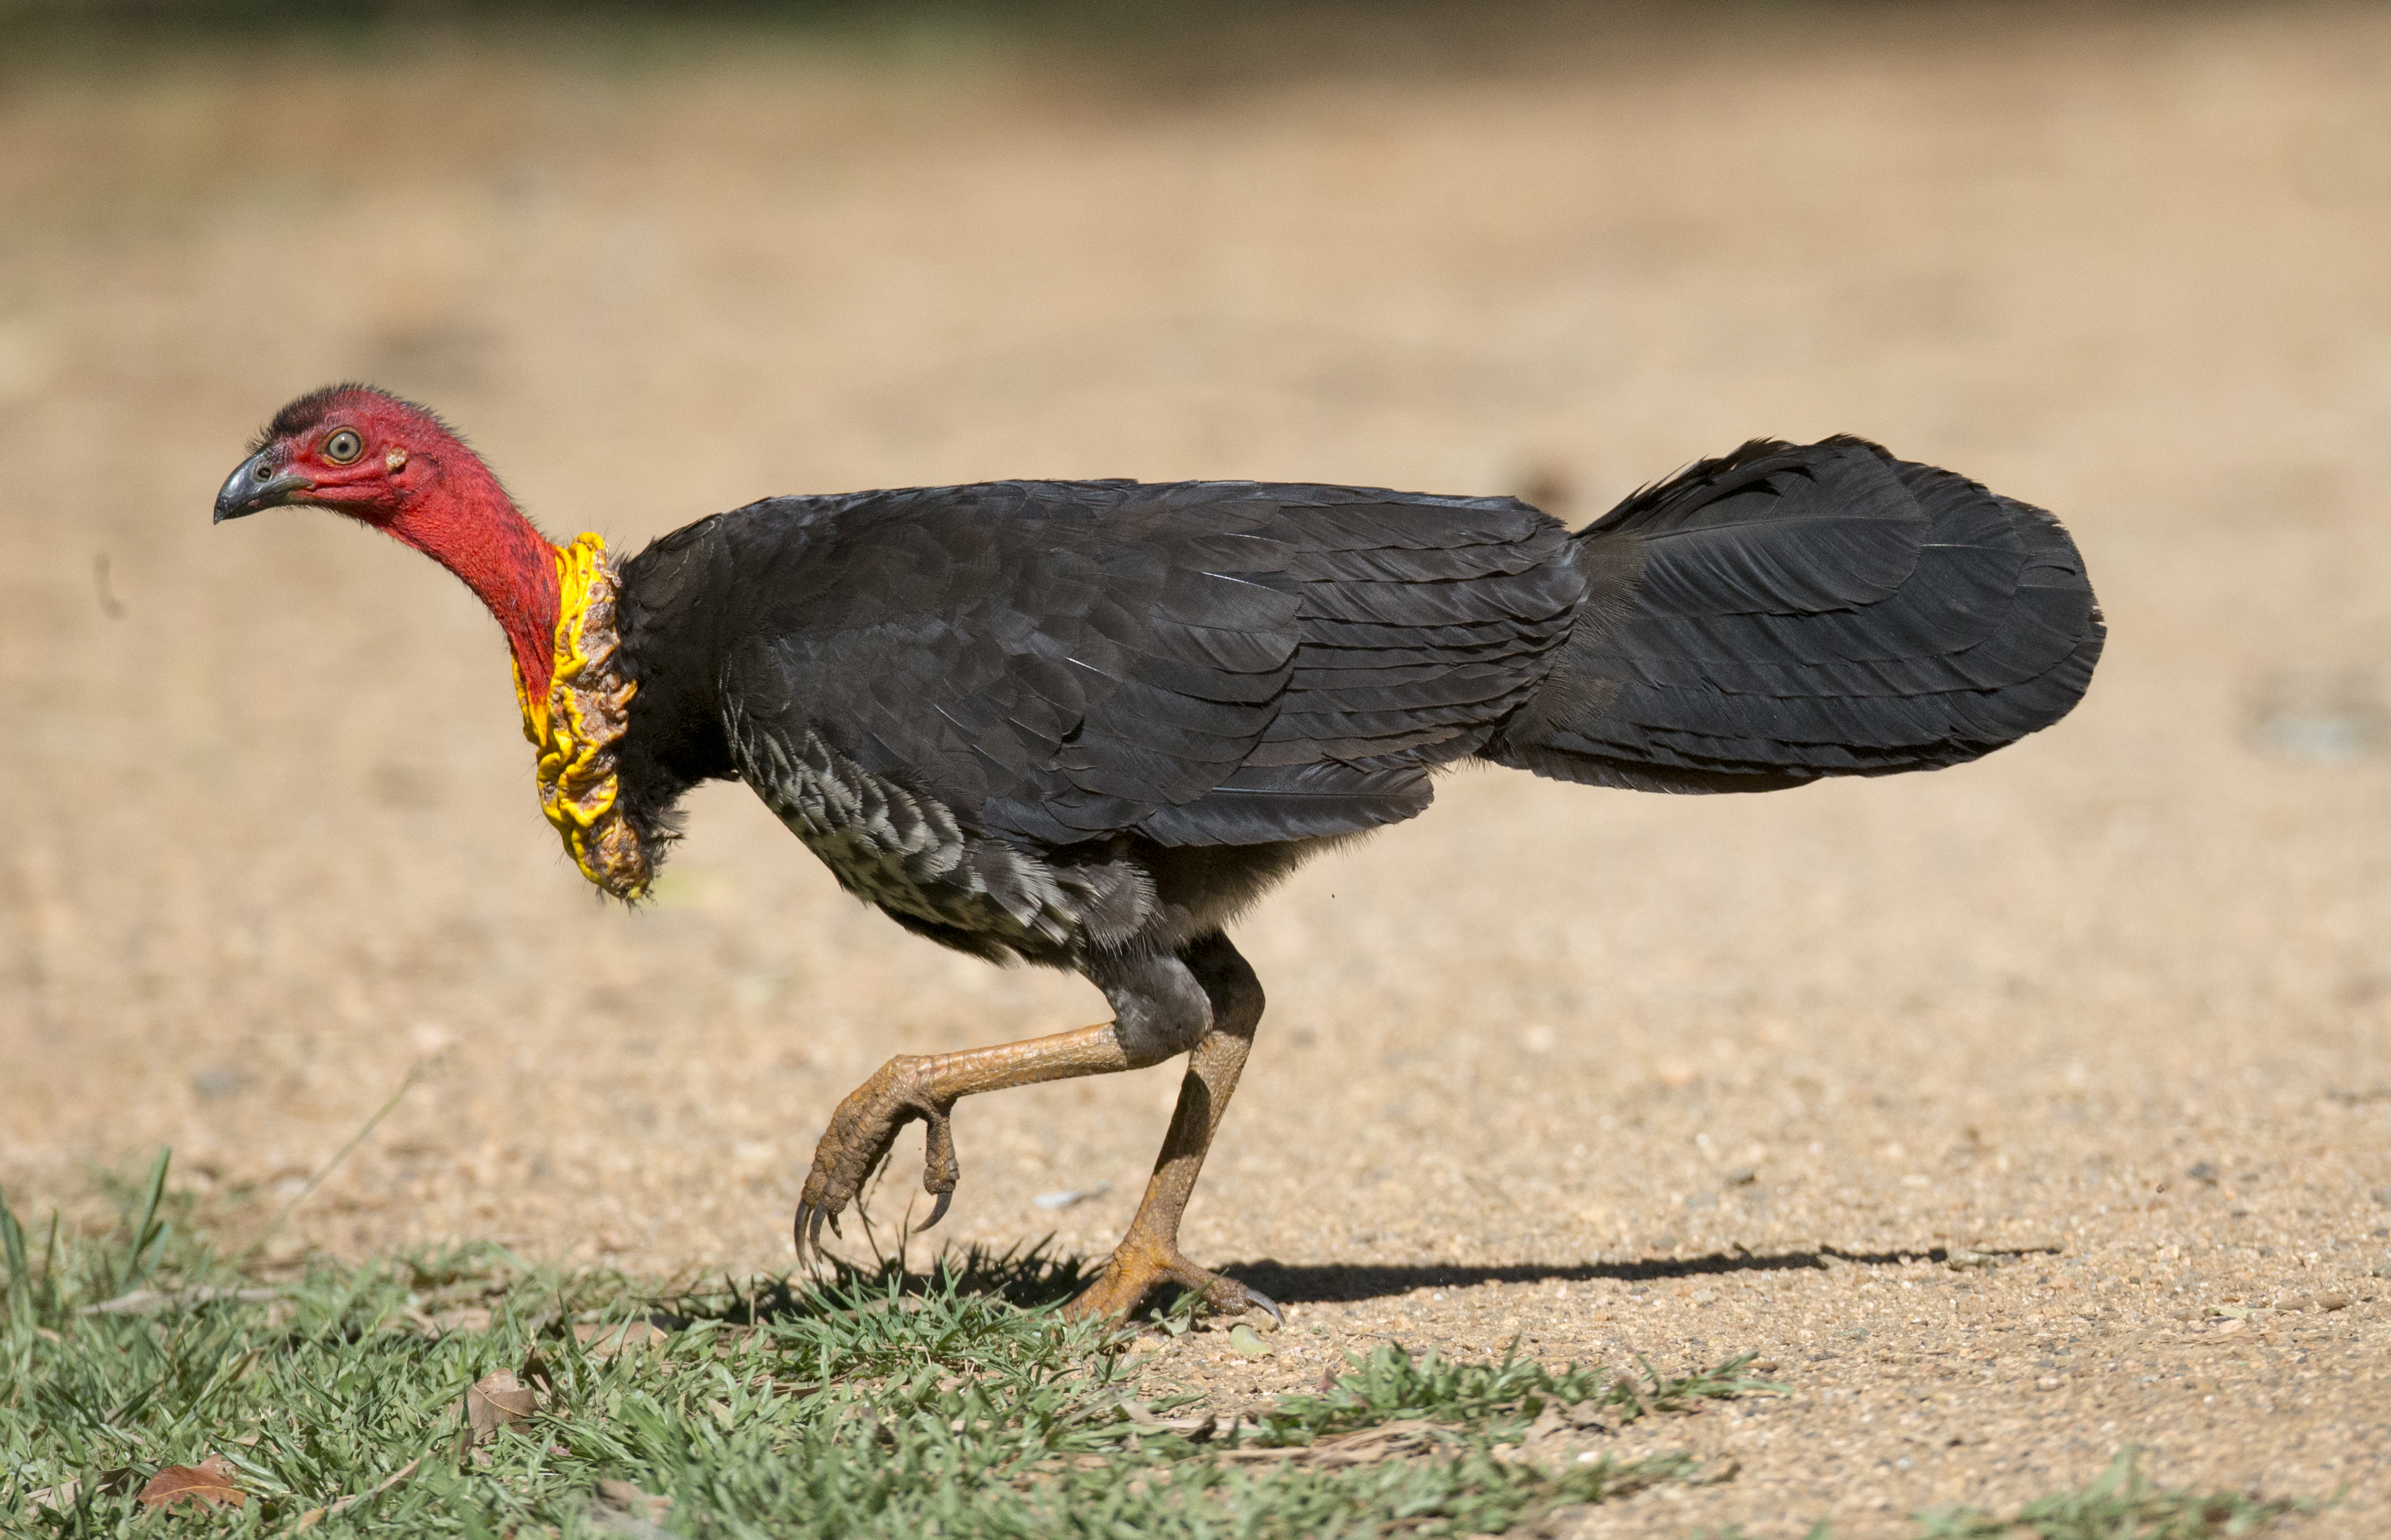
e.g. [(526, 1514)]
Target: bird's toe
[(1257, 1300), (860, 1137)]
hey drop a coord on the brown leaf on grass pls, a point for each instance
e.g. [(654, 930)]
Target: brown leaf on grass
[(623, 1500), (538, 1376), (608, 1342), (495, 1401), (148, 1301), (108, 1483), (207, 1483)]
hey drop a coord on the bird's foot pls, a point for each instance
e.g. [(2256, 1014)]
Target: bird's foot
[(858, 1138), (1141, 1266)]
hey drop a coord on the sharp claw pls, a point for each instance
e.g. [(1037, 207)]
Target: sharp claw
[(834, 1228), (939, 1163), (813, 1232), (1268, 1306), (799, 1230), (938, 1213)]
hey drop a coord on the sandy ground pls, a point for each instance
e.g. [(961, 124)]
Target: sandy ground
[(1618, 1074)]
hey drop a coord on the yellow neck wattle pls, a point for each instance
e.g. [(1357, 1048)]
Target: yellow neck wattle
[(576, 724)]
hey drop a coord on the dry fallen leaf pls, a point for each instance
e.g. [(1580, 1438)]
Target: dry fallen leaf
[(148, 1301), (207, 1483), (109, 1483), (495, 1401), (626, 1498), (1246, 1343), (539, 1377), (607, 1341)]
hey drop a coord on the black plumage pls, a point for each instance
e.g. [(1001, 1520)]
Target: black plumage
[(1085, 677)]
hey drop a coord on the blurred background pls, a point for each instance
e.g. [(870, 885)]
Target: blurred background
[(272, 839)]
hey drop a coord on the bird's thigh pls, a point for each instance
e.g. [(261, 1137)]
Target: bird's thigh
[(1159, 1009)]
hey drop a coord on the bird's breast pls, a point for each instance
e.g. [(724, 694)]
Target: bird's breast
[(906, 852)]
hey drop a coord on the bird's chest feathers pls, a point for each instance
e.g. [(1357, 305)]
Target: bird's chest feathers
[(576, 724), (906, 852)]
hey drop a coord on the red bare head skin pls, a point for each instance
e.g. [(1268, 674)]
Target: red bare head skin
[(395, 466)]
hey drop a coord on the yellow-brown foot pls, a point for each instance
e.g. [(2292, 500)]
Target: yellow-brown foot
[(1137, 1270), (858, 1138)]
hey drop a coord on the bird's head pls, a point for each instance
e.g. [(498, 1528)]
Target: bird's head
[(394, 466), (358, 450)]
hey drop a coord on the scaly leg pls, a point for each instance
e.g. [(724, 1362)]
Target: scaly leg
[(1205, 1002), (1163, 1005), (927, 1086), (1149, 1253)]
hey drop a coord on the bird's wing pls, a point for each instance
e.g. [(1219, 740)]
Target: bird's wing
[(1419, 624), (1203, 662)]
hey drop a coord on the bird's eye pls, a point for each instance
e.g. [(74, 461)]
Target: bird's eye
[(343, 447)]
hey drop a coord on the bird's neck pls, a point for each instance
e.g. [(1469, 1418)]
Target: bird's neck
[(466, 521)]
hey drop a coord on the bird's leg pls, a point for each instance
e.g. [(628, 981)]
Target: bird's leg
[(1204, 1002), (1149, 1254), (927, 1086)]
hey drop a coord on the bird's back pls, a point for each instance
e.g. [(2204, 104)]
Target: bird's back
[(1194, 663)]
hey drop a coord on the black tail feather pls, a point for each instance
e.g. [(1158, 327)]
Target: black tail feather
[(1787, 613)]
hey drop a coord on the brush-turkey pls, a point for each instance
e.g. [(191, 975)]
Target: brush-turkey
[(1084, 724)]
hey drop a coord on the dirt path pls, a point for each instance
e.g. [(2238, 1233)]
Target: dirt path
[(1616, 1074)]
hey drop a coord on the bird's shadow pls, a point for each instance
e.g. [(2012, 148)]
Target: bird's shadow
[(1036, 1275), (1343, 1283)]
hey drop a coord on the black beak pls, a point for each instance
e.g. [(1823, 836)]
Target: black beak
[(259, 483)]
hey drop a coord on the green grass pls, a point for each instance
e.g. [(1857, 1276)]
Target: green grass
[(956, 1403), (2118, 1505), (877, 1403)]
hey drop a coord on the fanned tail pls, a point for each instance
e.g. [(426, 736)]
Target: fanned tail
[(1791, 612)]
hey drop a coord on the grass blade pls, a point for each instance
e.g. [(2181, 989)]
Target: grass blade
[(422, 1068), (150, 1229), (21, 1281)]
